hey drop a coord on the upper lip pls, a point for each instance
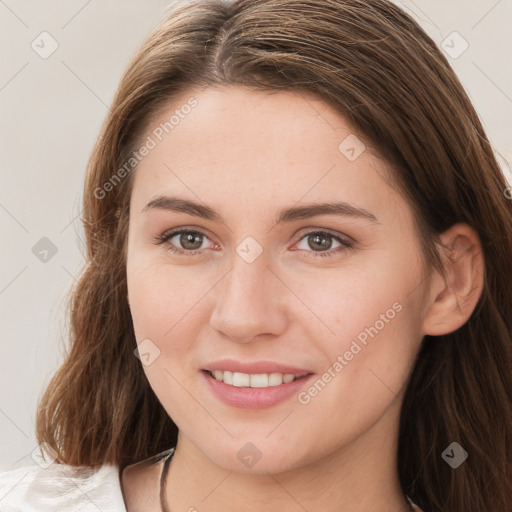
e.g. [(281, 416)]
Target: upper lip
[(255, 367)]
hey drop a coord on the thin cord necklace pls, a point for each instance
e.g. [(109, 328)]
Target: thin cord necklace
[(163, 487), (163, 484)]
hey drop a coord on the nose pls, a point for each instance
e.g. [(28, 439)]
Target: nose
[(250, 302)]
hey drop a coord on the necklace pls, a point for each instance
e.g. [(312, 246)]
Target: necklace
[(163, 486)]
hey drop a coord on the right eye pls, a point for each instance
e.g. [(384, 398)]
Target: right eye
[(187, 241)]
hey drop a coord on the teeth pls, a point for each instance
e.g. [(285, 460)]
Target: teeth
[(274, 379), (258, 380), (241, 380)]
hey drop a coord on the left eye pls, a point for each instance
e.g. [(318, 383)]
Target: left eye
[(189, 242), (321, 241)]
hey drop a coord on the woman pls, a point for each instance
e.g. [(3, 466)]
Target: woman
[(295, 221)]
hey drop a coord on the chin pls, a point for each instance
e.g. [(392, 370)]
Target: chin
[(254, 458)]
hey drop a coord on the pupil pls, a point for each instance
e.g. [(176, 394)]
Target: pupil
[(317, 240), (190, 238)]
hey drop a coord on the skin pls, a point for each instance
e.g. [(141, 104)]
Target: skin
[(248, 154)]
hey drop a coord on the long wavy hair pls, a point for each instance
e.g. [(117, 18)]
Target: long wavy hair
[(375, 65)]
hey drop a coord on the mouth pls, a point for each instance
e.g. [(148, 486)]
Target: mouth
[(256, 385), (254, 380)]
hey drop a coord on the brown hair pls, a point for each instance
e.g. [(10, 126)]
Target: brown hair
[(378, 68)]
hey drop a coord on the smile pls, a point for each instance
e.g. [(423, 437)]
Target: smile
[(254, 388)]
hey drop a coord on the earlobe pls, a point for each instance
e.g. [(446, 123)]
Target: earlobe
[(454, 298)]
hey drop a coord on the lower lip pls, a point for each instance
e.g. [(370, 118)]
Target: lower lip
[(253, 398)]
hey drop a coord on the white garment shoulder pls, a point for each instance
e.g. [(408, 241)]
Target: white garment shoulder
[(61, 488)]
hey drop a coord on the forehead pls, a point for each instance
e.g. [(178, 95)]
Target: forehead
[(244, 147)]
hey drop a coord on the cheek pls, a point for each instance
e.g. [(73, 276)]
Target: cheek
[(366, 324), (166, 305), (341, 303), (166, 309)]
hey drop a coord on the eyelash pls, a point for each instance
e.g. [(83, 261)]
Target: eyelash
[(165, 237)]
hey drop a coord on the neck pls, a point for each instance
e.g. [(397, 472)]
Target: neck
[(358, 477)]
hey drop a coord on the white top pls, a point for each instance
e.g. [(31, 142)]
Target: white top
[(61, 488)]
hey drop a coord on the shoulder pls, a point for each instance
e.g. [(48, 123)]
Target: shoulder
[(60, 487)]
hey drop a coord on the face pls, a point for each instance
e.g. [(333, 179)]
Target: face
[(258, 284)]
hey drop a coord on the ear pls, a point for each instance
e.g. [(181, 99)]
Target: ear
[(453, 300)]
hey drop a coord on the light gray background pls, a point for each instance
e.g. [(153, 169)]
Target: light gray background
[(51, 111)]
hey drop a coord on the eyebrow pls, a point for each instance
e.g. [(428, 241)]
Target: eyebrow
[(305, 211)]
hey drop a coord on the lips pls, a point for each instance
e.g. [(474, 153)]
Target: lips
[(254, 385), (257, 367)]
